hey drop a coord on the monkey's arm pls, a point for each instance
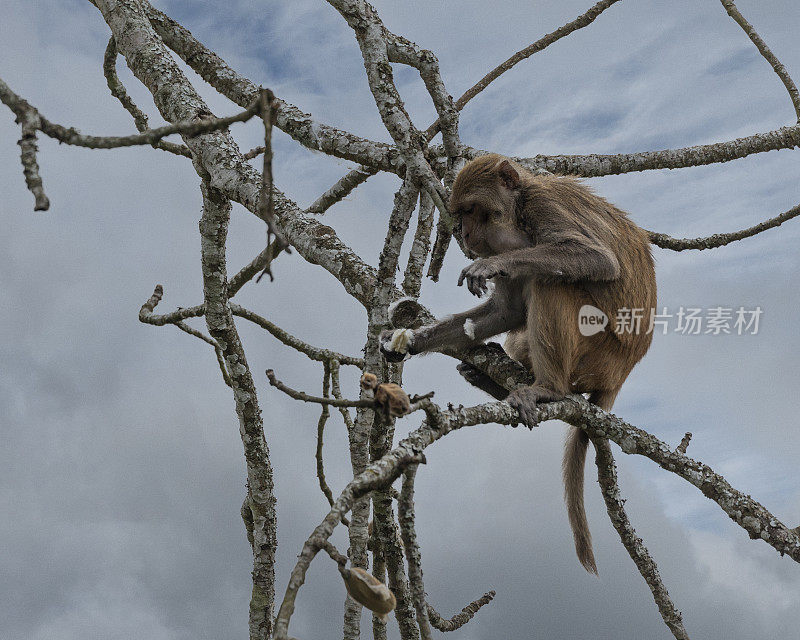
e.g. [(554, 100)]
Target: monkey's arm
[(568, 260), (499, 313)]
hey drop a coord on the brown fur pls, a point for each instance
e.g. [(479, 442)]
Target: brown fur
[(551, 246)]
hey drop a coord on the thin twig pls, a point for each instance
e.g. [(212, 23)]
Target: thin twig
[(30, 165), (303, 396), (721, 239), (72, 136), (314, 353), (337, 393), (412, 281), (120, 93), (339, 558), (340, 190), (266, 201), (684, 443), (352, 179), (217, 350), (146, 315), (323, 419), (460, 619), (542, 43), (255, 266), (765, 51), (420, 403)]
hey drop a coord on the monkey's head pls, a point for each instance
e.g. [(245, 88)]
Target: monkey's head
[(484, 202)]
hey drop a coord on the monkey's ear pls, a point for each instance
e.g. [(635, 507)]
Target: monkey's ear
[(508, 175)]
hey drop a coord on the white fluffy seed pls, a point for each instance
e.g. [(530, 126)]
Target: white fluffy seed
[(400, 340), (469, 329)]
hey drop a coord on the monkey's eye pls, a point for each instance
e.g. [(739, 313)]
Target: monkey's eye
[(495, 215)]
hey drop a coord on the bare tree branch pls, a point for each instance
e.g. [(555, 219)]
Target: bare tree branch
[(764, 50), (460, 619), (405, 513), (609, 486), (354, 178), (402, 50), (291, 120), (120, 93), (71, 136), (219, 319), (594, 165), (142, 34), (304, 397), (721, 239), (30, 165), (315, 353), (371, 36), (323, 419), (412, 282), (340, 190), (542, 43), (255, 266), (146, 315), (266, 199), (684, 443)]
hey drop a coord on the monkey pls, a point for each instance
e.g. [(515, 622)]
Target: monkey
[(550, 246)]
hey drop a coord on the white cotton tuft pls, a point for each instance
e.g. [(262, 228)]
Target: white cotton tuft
[(469, 329), (399, 341)]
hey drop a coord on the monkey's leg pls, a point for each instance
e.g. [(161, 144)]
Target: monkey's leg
[(551, 336), (494, 316), (554, 344), (478, 378)]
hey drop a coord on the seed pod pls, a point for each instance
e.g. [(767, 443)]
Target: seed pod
[(366, 589), (369, 381), (392, 400)]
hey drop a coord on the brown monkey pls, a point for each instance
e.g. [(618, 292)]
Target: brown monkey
[(550, 246)]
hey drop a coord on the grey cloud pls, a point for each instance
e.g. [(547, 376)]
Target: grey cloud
[(121, 469)]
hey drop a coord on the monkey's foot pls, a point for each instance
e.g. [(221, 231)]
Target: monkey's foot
[(478, 378), (525, 399), (396, 344)]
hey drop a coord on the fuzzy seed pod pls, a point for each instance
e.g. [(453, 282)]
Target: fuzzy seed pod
[(366, 589), (392, 400)]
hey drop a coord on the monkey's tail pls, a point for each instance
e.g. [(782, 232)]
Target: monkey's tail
[(572, 470)]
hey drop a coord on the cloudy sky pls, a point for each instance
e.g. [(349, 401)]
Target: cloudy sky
[(121, 470)]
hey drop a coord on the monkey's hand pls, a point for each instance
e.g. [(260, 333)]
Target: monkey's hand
[(479, 272), (525, 399), (396, 344)]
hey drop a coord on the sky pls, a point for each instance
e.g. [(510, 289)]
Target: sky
[(121, 470)]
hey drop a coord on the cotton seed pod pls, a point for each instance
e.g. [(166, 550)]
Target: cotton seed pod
[(391, 399), (369, 381), (366, 589)]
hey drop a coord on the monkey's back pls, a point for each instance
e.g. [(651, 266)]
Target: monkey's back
[(601, 361)]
